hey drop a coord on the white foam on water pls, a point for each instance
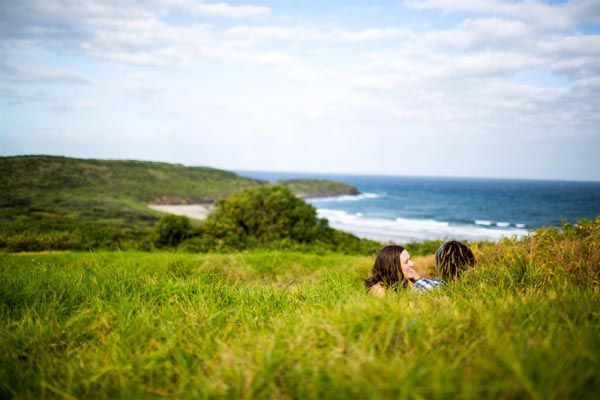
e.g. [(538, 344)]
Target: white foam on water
[(498, 224), (346, 197), (404, 230)]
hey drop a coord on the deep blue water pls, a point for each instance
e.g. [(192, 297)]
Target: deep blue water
[(406, 209)]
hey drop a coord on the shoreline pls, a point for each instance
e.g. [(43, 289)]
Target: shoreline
[(401, 231), (406, 230), (195, 211)]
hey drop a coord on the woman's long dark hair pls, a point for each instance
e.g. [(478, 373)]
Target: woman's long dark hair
[(452, 258), (387, 269)]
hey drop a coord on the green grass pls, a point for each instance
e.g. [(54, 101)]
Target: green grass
[(283, 324)]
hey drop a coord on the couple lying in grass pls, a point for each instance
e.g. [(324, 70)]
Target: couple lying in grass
[(393, 267)]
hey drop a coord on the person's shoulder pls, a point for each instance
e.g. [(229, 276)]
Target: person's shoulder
[(377, 290)]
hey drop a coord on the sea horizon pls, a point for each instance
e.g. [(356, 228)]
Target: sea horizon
[(244, 172)]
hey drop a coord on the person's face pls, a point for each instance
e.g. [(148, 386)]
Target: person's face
[(407, 267)]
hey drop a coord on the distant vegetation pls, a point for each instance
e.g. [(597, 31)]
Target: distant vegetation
[(65, 203), (59, 203), (306, 188), (263, 215), (26, 179), (272, 217), (171, 230)]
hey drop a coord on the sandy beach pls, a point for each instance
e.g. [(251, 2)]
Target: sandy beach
[(196, 211)]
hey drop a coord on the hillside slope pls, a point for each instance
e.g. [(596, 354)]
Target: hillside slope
[(66, 203), (306, 188), (49, 202), (34, 177)]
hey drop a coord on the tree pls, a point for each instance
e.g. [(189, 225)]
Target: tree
[(171, 230), (263, 214)]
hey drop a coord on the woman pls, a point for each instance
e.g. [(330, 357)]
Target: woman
[(393, 267)]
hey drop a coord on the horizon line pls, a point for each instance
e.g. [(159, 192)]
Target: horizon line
[(430, 176)]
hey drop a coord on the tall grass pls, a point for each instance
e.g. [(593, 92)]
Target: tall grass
[(282, 324)]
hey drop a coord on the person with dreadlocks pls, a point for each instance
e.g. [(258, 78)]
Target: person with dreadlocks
[(393, 267), (451, 259)]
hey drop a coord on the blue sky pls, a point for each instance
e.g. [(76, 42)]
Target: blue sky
[(481, 88)]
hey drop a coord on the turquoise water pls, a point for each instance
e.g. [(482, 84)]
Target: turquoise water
[(405, 209)]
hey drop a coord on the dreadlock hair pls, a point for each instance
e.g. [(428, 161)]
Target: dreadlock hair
[(452, 258), (387, 268)]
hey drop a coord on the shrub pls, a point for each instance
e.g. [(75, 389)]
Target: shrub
[(571, 250), (171, 230), (273, 218), (263, 215)]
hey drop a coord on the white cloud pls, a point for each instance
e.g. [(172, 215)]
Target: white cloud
[(483, 33), (16, 96), (46, 76), (149, 42), (485, 65), (220, 10), (227, 11), (369, 34), (584, 11), (29, 12), (251, 35), (130, 32), (498, 73), (542, 16)]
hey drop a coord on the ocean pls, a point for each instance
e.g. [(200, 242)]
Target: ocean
[(414, 209)]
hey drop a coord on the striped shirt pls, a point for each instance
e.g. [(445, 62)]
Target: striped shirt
[(426, 284)]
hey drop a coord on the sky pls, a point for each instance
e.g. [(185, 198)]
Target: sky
[(467, 88)]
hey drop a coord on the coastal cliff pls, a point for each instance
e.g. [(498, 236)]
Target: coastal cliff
[(310, 188)]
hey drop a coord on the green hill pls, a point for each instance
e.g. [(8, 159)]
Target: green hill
[(49, 202), (306, 188), (37, 177), (59, 202)]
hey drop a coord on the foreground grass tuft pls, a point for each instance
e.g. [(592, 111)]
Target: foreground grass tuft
[(279, 324)]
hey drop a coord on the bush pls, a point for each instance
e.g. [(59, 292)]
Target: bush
[(46, 233), (571, 250), (263, 215), (171, 230), (273, 218)]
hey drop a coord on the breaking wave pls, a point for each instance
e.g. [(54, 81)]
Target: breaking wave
[(346, 197), (404, 230)]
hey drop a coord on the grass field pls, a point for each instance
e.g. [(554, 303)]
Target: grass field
[(279, 324)]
